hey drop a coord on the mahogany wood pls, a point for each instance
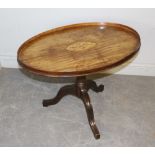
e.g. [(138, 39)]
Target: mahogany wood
[(80, 90)]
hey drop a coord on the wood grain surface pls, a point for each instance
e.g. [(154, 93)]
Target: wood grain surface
[(79, 49)]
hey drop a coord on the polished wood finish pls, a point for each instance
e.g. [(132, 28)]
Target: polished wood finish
[(76, 51), (79, 49), (80, 90)]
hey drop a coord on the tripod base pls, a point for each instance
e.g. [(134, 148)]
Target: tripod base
[(80, 90)]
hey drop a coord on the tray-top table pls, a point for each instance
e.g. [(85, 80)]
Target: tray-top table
[(76, 51)]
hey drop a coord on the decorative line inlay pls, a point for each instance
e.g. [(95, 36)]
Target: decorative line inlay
[(81, 46)]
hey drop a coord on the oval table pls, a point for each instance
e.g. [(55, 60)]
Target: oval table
[(76, 51)]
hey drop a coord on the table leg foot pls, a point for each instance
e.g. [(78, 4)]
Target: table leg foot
[(92, 85), (90, 114), (66, 90)]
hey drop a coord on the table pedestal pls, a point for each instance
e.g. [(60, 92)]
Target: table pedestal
[(80, 90)]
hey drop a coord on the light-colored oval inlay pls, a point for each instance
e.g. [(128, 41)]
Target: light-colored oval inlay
[(81, 46)]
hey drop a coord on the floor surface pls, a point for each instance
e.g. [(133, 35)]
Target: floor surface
[(124, 112)]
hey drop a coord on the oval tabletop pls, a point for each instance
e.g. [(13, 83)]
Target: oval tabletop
[(79, 49)]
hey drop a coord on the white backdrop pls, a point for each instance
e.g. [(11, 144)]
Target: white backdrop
[(18, 25)]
